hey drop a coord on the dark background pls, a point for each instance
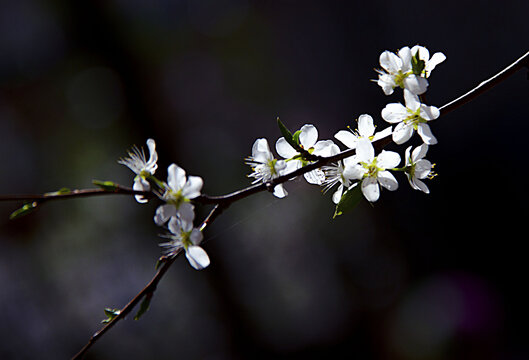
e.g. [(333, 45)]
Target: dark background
[(416, 276)]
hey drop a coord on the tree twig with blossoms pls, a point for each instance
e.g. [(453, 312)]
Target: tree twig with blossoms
[(359, 171)]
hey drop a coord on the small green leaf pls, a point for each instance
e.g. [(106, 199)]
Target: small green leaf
[(61, 191), (295, 137), (111, 314), (417, 65), (144, 306), (349, 200), (105, 185), (24, 210), (288, 135)]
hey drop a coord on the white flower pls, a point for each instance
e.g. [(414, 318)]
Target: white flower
[(372, 170), (418, 168), (265, 167), (338, 173), (141, 167), (178, 191), (185, 236), (366, 129), (308, 137), (429, 63), (413, 116), (398, 71)]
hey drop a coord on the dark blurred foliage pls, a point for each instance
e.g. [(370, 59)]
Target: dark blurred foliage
[(415, 276)]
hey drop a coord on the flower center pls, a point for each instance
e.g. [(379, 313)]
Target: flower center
[(399, 78), (371, 168)]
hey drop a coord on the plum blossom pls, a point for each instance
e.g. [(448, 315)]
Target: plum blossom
[(338, 173), (373, 171), (366, 129), (308, 137), (413, 116), (143, 168), (179, 190), (398, 72), (265, 167), (185, 236), (418, 168)]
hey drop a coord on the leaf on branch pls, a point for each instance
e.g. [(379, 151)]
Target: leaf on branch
[(144, 306), (417, 65), (349, 200), (111, 314), (105, 185), (24, 210), (61, 191), (292, 140)]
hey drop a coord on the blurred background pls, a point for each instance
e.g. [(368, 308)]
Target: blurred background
[(415, 276)]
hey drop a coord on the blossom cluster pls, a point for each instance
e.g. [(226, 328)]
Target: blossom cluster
[(408, 69)]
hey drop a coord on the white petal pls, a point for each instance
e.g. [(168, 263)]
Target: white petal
[(337, 194), (416, 84), (422, 168), (186, 212), (394, 113), (164, 213), (308, 136), (436, 59), (365, 125), (388, 159), (140, 184), (347, 138), (419, 152), (402, 133), (280, 191), (387, 83), (365, 151), (284, 149), (426, 134), (370, 189), (196, 236), (197, 257), (350, 161), (424, 54), (192, 187), (176, 177), (260, 146), (151, 165), (382, 134), (324, 148), (175, 225), (315, 177), (405, 56), (412, 101), (390, 62), (355, 172), (429, 112), (387, 180), (421, 186)]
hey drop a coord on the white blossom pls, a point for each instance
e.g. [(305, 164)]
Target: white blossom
[(372, 170), (413, 116), (366, 129), (265, 167), (418, 168), (398, 72), (143, 168), (308, 137), (339, 173), (179, 190), (185, 236)]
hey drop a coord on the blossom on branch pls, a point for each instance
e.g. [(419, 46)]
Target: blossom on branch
[(142, 167), (308, 136), (418, 168), (413, 116), (366, 130), (179, 190), (339, 173), (422, 53), (265, 167), (372, 170), (185, 236)]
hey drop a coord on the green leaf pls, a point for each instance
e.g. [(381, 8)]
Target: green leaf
[(144, 306), (105, 185), (24, 210), (61, 191), (349, 200), (111, 314), (288, 135), (417, 65)]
